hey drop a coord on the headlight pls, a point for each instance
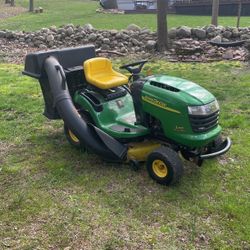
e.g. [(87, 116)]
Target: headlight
[(207, 109)]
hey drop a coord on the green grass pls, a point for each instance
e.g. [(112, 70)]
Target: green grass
[(53, 196), (80, 12)]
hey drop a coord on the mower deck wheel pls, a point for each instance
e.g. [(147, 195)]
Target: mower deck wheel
[(72, 138), (164, 166)]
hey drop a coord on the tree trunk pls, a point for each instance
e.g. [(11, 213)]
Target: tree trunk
[(215, 12), (12, 3), (239, 13), (162, 30), (31, 6)]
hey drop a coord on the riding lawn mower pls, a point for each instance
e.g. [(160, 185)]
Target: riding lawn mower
[(157, 119)]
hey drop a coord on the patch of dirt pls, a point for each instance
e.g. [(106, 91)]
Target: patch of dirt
[(5, 149), (7, 11), (12, 52)]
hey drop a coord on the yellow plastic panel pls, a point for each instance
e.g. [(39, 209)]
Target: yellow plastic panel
[(139, 151)]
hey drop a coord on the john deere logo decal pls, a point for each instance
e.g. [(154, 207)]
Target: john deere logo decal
[(159, 104)]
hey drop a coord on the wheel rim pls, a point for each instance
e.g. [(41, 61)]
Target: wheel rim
[(160, 168), (73, 137)]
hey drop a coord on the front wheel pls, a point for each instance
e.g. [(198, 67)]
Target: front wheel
[(72, 138), (164, 166)]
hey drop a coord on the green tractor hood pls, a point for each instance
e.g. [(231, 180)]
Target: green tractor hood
[(191, 93)]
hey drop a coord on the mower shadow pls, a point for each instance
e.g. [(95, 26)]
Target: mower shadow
[(66, 164)]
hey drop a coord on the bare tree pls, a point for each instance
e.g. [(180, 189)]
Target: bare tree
[(239, 13), (31, 6), (162, 24), (215, 12)]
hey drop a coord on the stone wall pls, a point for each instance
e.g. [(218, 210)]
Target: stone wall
[(132, 40)]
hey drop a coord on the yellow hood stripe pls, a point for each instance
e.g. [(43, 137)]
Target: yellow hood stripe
[(159, 104)]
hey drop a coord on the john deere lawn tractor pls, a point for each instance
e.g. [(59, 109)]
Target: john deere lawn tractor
[(154, 119)]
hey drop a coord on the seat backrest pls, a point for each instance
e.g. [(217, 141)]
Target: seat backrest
[(96, 66)]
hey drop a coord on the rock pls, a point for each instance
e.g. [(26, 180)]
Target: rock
[(217, 39), (9, 35), (42, 46), (44, 30), (172, 33), (88, 26), (151, 45), (135, 42), (69, 25), (184, 32), (145, 31), (199, 33), (67, 248), (118, 35), (82, 33), (51, 43), (50, 38), (105, 47), (41, 38), (235, 33), (113, 32), (211, 35), (124, 36), (92, 37), (30, 44), (227, 34), (123, 50), (211, 51), (210, 28), (247, 44), (2, 34), (220, 28), (133, 27), (228, 55), (245, 37), (61, 30), (69, 31), (225, 40), (106, 41)]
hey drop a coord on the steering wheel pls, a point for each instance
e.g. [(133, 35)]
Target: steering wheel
[(134, 68)]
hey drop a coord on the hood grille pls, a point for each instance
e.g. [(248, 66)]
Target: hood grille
[(204, 123)]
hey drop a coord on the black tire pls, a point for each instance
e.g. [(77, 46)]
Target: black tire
[(72, 139), (164, 166)]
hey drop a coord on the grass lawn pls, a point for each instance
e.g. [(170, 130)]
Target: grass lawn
[(80, 12), (54, 196)]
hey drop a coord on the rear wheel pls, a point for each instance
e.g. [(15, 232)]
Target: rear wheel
[(72, 138), (164, 166)]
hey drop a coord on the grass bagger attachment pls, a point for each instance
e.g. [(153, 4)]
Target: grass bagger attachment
[(152, 119)]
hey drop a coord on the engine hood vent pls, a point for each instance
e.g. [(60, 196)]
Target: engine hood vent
[(164, 86)]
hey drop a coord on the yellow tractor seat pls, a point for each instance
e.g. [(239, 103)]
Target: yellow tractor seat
[(99, 72)]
